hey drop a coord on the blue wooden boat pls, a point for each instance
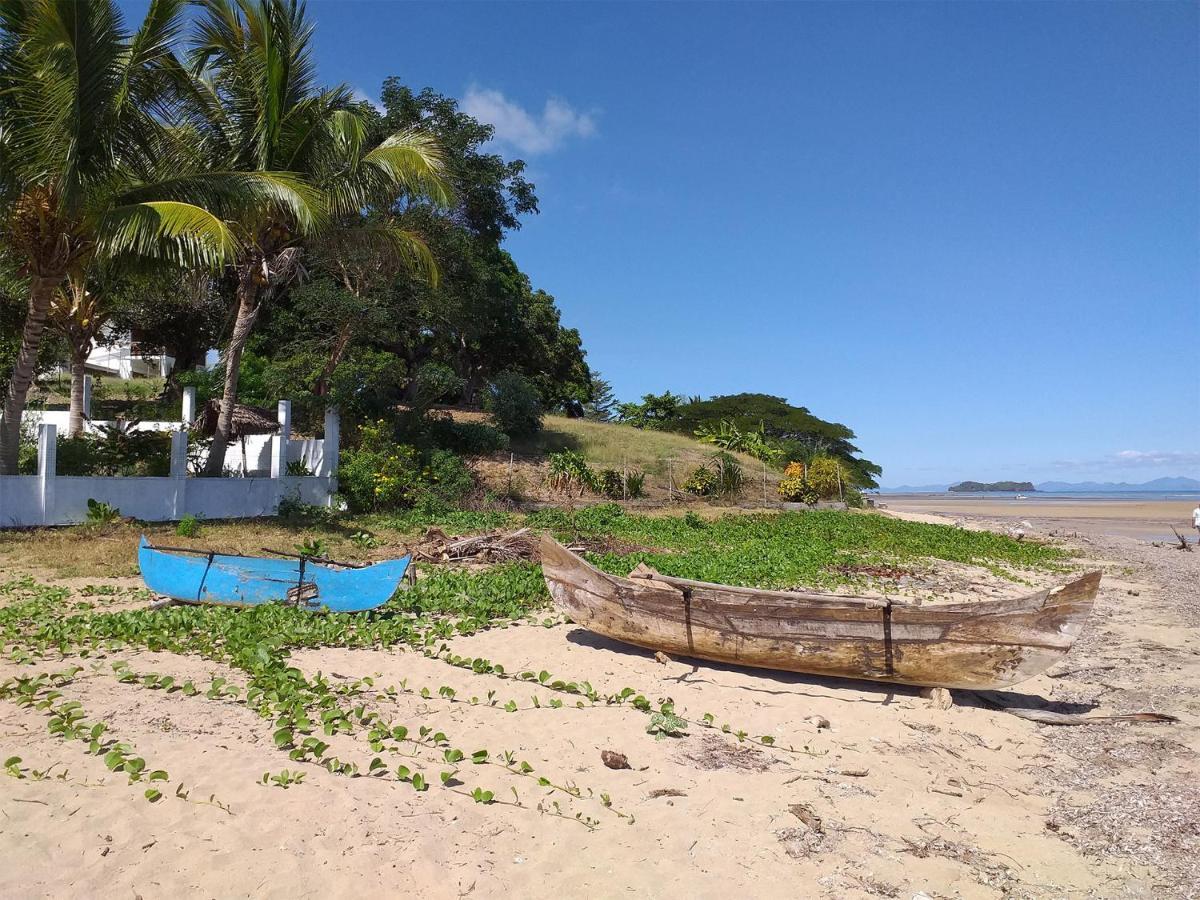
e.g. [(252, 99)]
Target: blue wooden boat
[(228, 579)]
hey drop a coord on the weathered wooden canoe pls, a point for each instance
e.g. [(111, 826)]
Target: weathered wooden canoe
[(228, 579), (988, 644)]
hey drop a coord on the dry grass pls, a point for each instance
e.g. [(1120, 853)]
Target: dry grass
[(111, 551), (609, 445)]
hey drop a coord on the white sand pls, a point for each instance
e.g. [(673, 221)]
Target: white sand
[(954, 803)]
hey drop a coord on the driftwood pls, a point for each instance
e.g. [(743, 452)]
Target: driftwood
[(1046, 717), (495, 546), (1183, 544)]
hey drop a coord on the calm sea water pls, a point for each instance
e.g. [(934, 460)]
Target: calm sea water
[(1063, 495)]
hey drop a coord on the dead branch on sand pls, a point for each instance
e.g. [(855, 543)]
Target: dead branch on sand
[(495, 546)]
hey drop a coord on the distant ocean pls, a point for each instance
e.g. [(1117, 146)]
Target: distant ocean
[(1034, 496)]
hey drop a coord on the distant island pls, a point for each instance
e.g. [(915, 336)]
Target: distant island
[(975, 487), (1176, 483)]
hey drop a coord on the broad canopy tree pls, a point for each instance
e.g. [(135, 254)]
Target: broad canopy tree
[(90, 167), (232, 164), (257, 107), (481, 318), (80, 153)]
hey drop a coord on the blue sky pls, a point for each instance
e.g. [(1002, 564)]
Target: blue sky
[(969, 231)]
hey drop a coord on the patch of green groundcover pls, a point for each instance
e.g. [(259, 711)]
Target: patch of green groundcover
[(789, 549)]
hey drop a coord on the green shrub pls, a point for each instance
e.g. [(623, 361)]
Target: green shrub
[(729, 474), (380, 474), (188, 526), (445, 480), (569, 471), (116, 450), (617, 486), (824, 474), (101, 513), (295, 511), (433, 383), (470, 438), (610, 483), (702, 482), (635, 484), (515, 404)]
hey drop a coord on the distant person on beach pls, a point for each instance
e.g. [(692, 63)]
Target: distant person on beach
[(1196, 520)]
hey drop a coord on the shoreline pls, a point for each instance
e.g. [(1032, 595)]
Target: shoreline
[(1148, 520)]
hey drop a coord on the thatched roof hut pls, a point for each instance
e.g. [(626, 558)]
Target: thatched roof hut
[(247, 420)]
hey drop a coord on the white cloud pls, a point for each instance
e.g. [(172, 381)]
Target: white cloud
[(1158, 458), (359, 94), (529, 133)]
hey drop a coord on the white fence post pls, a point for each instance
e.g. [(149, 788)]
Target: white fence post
[(179, 447), (87, 396), (189, 406), (47, 466), (330, 448), (279, 449)]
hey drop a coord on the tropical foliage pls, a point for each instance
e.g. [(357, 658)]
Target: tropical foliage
[(191, 181), (88, 169)]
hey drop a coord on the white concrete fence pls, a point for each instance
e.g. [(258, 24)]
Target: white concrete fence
[(51, 499), (251, 456)]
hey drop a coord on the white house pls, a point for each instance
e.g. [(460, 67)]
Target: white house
[(125, 359)]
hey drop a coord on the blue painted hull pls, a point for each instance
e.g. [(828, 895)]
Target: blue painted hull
[(251, 580)]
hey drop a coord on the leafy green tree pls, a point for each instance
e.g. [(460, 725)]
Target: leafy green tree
[(88, 167), (513, 401), (657, 412), (490, 192), (178, 312), (603, 403), (255, 103), (793, 429)]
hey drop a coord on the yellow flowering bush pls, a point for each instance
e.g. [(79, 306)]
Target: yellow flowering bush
[(380, 474)]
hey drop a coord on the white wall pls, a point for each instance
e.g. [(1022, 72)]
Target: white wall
[(151, 499), (258, 446), (60, 418), (258, 454), (50, 499)]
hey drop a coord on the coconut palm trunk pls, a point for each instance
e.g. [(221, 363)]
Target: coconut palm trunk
[(247, 314), (78, 373), (41, 291)]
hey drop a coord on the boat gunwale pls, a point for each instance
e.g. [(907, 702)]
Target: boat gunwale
[(978, 607), (330, 565)]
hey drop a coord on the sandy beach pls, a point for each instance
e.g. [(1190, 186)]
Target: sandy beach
[(868, 791), (1138, 518)]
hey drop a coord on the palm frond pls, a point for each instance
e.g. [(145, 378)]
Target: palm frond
[(164, 229), (244, 197), (413, 160), (407, 249)]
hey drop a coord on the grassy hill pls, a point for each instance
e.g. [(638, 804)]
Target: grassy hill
[(663, 456)]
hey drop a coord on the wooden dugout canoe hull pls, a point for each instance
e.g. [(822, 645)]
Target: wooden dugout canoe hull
[(985, 645)]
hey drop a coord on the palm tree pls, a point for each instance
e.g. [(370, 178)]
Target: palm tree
[(256, 107), (78, 312), (85, 116)]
